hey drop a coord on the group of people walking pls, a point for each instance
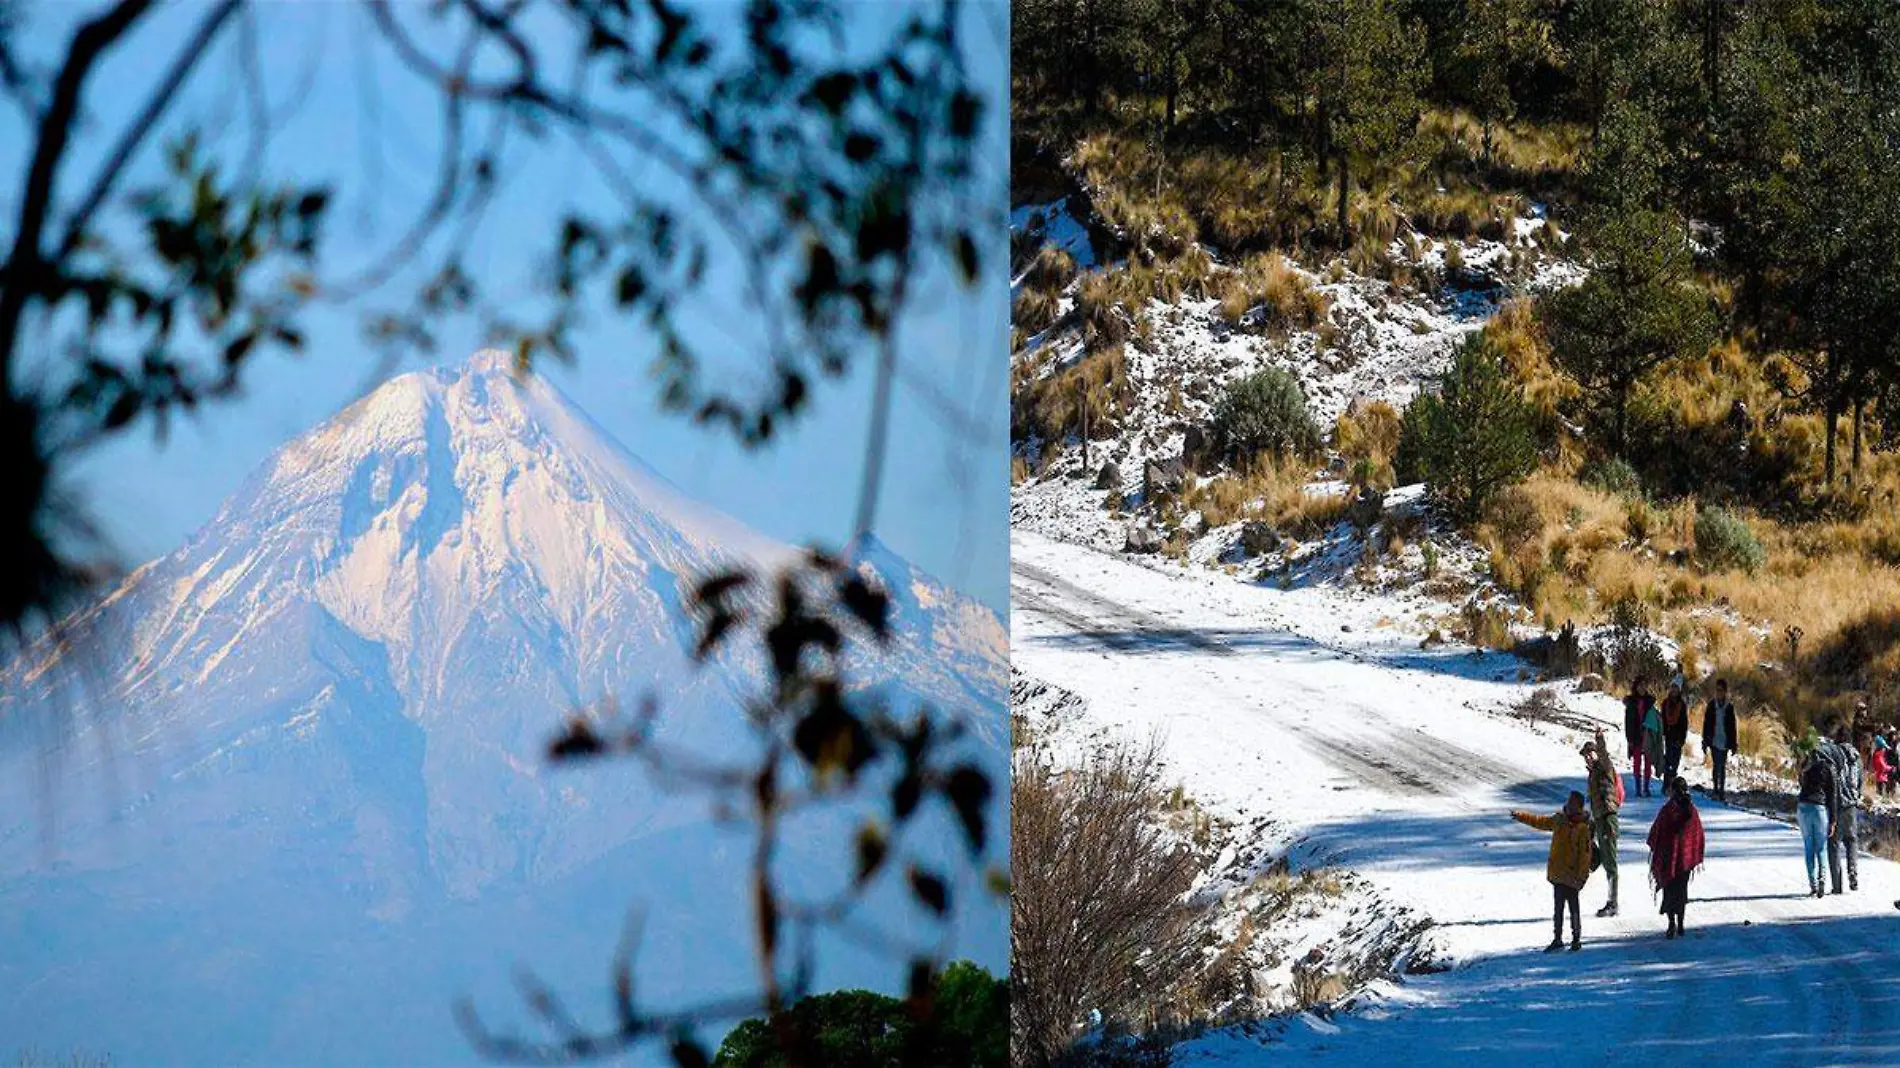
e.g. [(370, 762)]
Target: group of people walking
[(1584, 832), (1827, 808), (1584, 839), (1656, 734)]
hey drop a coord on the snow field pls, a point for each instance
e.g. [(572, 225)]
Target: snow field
[(1314, 712)]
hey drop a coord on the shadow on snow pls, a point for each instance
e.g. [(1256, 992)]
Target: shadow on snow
[(1283, 646)]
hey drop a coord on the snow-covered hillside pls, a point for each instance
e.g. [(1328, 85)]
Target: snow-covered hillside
[(1313, 717), (1376, 341), (1372, 340), (310, 744)]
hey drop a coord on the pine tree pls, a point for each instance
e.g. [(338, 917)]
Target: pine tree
[(1822, 217), (1639, 308), (1471, 438), (1370, 71), (1498, 37), (1600, 38)]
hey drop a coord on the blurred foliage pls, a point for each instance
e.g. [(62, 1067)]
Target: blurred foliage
[(814, 178)]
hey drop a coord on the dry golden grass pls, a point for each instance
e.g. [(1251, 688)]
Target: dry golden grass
[(1238, 200), (1369, 433), (1035, 310), (1523, 154), (1762, 735), (1051, 270), (1488, 626), (1519, 335), (1053, 406), (1270, 490), (1252, 199), (1568, 551), (1546, 537), (1270, 282), (1101, 308), (1194, 273)]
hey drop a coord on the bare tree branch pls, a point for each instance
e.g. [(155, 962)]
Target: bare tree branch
[(18, 278), (135, 134)]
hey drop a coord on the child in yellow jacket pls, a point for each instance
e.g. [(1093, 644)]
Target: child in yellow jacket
[(1569, 866)]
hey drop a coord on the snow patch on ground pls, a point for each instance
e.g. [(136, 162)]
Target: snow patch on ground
[(1056, 227), (1299, 935)]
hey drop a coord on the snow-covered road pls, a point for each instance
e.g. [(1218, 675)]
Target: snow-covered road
[(1318, 709)]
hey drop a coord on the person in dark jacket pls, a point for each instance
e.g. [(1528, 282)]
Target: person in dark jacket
[(1844, 761), (1718, 737), (1676, 845), (1814, 812), (1635, 711), (1675, 721)]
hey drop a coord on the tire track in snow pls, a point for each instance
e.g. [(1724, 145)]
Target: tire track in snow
[(1386, 757)]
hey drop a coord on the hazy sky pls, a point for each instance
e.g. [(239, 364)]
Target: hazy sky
[(347, 115)]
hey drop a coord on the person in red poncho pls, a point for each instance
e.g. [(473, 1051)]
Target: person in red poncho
[(1676, 843)]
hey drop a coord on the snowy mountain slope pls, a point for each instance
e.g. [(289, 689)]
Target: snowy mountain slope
[(944, 645), (1316, 711), (1375, 341), (333, 703)]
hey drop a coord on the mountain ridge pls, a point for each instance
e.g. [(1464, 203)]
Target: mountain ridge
[(336, 696)]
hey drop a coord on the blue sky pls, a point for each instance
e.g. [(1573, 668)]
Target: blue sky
[(944, 502)]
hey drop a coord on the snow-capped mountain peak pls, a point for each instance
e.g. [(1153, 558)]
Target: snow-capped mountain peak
[(333, 703)]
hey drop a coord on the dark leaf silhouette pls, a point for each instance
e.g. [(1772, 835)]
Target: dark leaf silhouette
[(688, 1053), (871, 606), (969, 791), (579, 740), (831, 738), (930, 890), (905, 795), (872, 849)]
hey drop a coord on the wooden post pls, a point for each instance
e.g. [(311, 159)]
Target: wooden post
[(1082, 405)]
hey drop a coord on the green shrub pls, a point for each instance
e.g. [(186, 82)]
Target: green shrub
[(862, 1029), (1613, 475), (1723, 542), (1472, 437), (1264, 412)]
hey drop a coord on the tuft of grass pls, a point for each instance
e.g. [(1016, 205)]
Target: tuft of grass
[(1271, 490), (1101, 306), (1051, 270), (1052, 405), (1488, 625), (1284, 296), (1035, 310), (1368, 432), (1762, 736)]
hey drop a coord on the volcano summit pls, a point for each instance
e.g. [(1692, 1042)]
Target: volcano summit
[(295, 770)]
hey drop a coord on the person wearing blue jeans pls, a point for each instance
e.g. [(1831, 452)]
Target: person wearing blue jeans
[(1815, 813)]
